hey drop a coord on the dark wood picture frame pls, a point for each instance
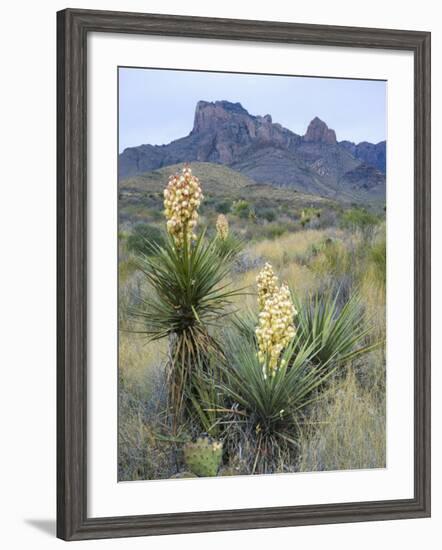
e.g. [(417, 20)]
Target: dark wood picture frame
[(73, 27)]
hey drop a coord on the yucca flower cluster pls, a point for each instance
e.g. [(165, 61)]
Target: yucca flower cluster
[(275, 326), (222, 227), (267, 283), (182, 198)]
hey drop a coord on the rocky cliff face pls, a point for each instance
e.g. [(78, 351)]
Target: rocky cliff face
[(319, 132), (225, 133), (373, 154)]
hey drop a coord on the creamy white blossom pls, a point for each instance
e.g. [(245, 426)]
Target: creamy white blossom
[(267, 283), (182, 198), (276, 326), (222, 227)]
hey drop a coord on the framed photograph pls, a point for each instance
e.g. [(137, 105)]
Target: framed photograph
[(243, 274)]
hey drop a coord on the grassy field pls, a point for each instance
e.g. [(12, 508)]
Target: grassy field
[(315, 246)]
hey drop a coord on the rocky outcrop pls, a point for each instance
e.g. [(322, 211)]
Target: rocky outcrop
[(319, 132)]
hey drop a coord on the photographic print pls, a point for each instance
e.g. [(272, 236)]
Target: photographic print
[(252, 274)]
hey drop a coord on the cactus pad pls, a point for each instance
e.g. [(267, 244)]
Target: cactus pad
[(203, 456)]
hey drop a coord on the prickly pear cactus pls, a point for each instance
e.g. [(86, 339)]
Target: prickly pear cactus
[(203, 456)]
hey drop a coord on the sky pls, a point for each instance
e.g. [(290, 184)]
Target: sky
[(157, 106)]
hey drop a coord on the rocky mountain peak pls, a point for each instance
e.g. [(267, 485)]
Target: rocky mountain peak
[(319, 132), (210, 115)]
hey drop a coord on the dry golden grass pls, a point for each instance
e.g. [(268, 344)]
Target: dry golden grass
[(347, 429), (373, 284), (282, 254), (137, 357), (283, 251)]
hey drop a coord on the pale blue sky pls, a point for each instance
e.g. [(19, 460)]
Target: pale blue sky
[(157, 106)]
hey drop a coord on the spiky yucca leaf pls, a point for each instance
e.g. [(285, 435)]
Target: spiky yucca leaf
[(206, 399), (272, 404), (339, 332), (278, 396), (230, 246), (188, 291), (187, 287)]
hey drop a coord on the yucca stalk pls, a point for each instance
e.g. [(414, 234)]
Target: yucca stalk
[(188, 292)]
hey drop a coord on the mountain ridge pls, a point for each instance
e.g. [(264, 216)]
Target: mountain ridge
[(226, 133)]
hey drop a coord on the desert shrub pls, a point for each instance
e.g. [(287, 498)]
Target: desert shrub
[(268, 214), (310, 213), (274, 230), (358, 218), (223, 207), (241, 208), (142, 236)]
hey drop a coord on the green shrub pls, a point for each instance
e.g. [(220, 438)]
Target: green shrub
[(223, 207), (241, 208), (142, 237), (358, 218), (275, 230), (268, 214)]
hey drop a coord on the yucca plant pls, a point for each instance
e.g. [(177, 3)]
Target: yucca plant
[(187, 293), (269, 407), (226, 242), (341, 332), (230, 246)]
